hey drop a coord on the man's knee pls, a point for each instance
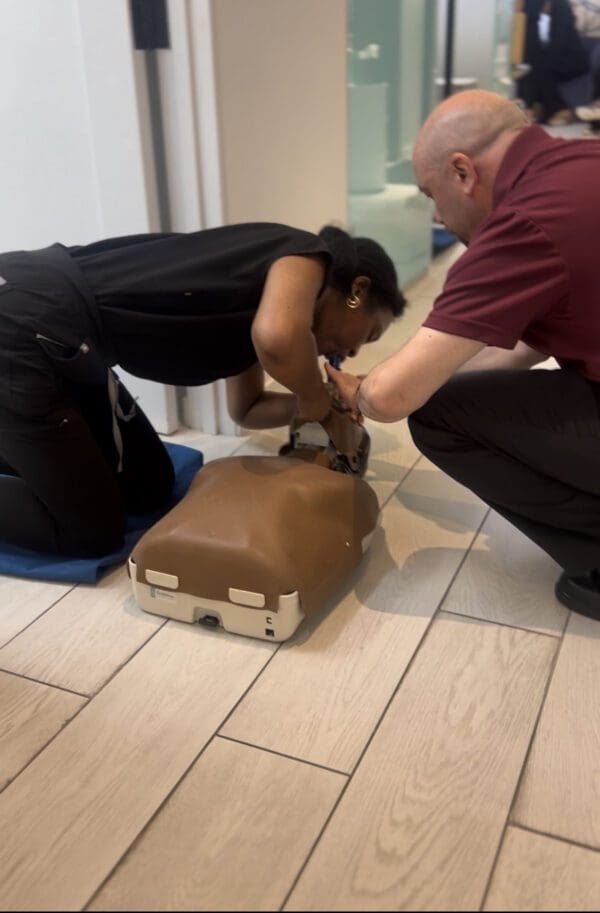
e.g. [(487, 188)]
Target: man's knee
[(446, 419)]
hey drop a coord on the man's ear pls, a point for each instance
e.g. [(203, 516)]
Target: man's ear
[(464, 172)]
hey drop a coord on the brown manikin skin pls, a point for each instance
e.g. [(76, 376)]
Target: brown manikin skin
[(271, 525)]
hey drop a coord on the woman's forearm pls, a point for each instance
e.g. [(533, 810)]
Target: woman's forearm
[(269, 410), (297, 368)]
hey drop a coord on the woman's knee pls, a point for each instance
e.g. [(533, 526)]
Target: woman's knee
[(92, 538), (90, 546)]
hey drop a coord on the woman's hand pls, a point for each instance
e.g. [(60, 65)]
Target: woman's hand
[(315, 410), (347, 386)]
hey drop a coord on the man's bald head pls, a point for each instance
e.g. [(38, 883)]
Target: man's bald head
[(458, 152), (469, 122)]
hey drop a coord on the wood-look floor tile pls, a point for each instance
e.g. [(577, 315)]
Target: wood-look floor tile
[(233, 836), (80, 642), (534, 872), (420, 822), (22, 601), (560, 791), (325, 691), (77, 808), (30, 715), (508, 579)]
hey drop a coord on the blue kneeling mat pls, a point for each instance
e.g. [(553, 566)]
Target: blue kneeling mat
[(23, 562)]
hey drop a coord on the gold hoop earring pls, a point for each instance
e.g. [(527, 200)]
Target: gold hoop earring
[(353, 301)]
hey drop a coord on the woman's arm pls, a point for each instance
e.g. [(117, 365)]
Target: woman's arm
[(282, 332), (251, 406)]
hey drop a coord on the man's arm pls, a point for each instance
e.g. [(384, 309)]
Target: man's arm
[(405, 381), (492, 358)]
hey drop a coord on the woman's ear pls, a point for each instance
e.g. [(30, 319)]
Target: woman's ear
[(360, 287)]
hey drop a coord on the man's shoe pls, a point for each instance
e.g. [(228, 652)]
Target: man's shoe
[(580, 594)]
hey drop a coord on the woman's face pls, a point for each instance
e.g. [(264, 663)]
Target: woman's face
[(340, 331)]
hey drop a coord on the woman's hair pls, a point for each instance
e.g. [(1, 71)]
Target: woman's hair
[(353, 257)]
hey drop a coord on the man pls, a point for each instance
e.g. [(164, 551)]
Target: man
[(528, 287)]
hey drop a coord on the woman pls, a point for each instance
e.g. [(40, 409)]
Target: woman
[(77, 453)]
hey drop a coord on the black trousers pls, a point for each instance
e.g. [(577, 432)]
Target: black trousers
[(61, 492), (61, 487), (528, 443)]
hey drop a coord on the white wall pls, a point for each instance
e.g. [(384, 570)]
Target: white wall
[(47, 178), (281, 90), (474, 40), (72, 167), (75, 161)]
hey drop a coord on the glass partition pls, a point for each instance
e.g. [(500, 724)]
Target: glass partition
[(501, 81), (391, 88)]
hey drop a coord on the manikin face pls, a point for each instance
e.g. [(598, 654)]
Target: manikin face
[(341, 331)]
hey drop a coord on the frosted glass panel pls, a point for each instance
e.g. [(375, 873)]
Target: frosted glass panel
[(501, 76), (391, 85)]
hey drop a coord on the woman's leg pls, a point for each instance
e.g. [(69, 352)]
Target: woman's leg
[(147, 476), (66, 496)]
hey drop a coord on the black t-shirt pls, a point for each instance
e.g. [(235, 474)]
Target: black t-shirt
[(178, 308)]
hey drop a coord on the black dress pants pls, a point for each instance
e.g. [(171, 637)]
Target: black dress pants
[(61, 491), (62, 488), (528, 443)]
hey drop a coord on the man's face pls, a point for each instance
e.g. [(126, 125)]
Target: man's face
[(454, 207)]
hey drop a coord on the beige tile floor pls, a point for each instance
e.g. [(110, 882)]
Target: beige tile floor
[(430, 742)]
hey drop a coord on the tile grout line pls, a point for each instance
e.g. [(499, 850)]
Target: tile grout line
[(283, 754), (39, 681), (176, 785), (507, 820), (88, 699), (557, 837), (502, 624), (37, 617)]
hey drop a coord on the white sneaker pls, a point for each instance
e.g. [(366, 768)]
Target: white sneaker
[(588, 112)]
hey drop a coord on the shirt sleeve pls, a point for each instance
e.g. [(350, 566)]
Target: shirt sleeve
[(509, 278)]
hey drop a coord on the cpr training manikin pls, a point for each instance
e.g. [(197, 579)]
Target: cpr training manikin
[(260, 543)]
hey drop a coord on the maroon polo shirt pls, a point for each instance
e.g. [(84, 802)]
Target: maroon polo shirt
[(532, 270)]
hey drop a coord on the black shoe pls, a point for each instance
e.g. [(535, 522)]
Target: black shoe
[(580, 594)]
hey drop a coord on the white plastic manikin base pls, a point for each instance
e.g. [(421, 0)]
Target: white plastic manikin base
[(252, 621)]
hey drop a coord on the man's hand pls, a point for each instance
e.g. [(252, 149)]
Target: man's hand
[(346, 386)]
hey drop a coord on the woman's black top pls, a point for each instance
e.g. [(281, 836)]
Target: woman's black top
[(178, 308)]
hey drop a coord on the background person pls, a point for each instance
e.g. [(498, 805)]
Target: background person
[(587, 20), (555, 53)]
